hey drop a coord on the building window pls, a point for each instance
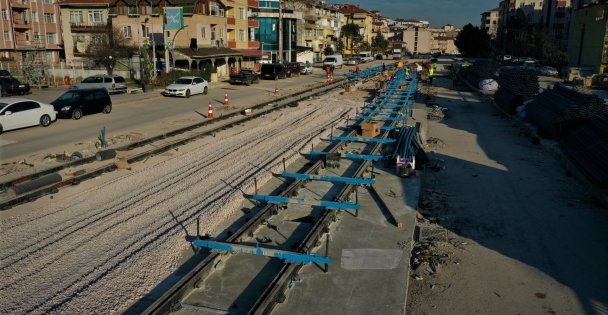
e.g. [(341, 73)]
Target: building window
[(51, 38), (242, 13), (7, 35), (49, 1), (96, 16), (37, 36), (145, 31), (215, 9), (242, 35), (203, 33), (221, 33), (4, 14), (126, 30), (49, 56), (76, 17), (213, 33), (49, 18), (35, 17)]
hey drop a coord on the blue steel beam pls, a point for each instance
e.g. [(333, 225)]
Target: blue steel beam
[(333, 179), (352, 156), (362, 139), (290, 257), (381, 118), (308, 202)]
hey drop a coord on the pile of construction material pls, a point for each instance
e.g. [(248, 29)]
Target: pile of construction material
[(553, 111), (587, 147), (407, 151), (517, 85), (480, 70)]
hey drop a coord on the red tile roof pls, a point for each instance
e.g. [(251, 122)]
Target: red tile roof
[(87, 2), (351, 8)]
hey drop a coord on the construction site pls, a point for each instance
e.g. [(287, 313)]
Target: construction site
[(377, 193)]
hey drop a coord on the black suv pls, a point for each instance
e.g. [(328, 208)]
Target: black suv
[(273, 71), (293, 69), (75, 103), (10, 85)]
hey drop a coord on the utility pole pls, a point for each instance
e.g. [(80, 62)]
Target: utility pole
[(280, 30)]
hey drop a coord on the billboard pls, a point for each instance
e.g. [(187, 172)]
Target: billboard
[(174, 18)]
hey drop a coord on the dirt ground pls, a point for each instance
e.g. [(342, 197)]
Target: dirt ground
[(504, 229)]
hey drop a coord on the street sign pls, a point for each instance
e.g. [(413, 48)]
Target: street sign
[(174, 18)]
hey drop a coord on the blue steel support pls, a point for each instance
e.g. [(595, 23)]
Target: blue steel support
[(381, 118), (309, 202), (333, 179), (353, 156), (290, 257), (362, 139)]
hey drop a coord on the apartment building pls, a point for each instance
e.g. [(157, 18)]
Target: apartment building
[(30, 30), (320, 28), (489, 22), (443, 40), (407, 23), (418, 40), (80, 21), (267, 34), (240, 28), (363, 19), (587, 40), (380, 25), (556, 18)]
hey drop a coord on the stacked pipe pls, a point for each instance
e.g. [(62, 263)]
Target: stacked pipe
[(587, 147), (407, 146), (479, 70), (554, 111), (516, 86)]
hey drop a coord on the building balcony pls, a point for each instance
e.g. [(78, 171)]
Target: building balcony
[(231, 44), (253, 45), (21, 24), (231, 21), (87, 27), (20, 4), (253, 23), (252, 3)]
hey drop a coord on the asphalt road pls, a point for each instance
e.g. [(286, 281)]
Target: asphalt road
[(148, 113)]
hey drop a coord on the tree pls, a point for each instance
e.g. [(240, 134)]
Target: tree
[(328, 50), (473, 41), (108, 46), (350, 32), (379, 44)]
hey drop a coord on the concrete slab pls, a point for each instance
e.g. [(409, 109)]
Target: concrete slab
[(371, 264)]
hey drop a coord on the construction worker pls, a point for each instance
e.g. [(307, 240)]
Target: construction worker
[(454, 79), (383, 67), (431, 74)]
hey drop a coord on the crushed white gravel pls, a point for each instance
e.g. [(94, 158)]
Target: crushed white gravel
[(103, 250)]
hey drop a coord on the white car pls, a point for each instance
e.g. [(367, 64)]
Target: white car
[(548, 71), (186, 86), (18, 113)]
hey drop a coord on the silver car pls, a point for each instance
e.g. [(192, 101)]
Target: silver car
[(112, 83), (305, 68)]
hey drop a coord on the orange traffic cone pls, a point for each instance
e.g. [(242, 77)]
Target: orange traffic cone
[(226, 103), (210, 112)]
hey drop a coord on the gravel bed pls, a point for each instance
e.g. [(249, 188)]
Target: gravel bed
[(101, 251)]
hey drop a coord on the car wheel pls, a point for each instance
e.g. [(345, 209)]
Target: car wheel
[(187, 93), (107, 109), (77, 114), (276, 77), (248, 82), (1, 129), (45, 120), (205, 91)]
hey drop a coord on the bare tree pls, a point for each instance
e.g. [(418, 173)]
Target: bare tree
[(108, 46)]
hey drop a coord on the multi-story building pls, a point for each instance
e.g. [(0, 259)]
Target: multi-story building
[(268, 13), (418, 40), (30, 30), (403, 24), (321, 27), (532, 9), (80, 21), (489, 22), (363, 19), (380, 25), (443, 39), (556, 21), (240, 28), (587, 45)]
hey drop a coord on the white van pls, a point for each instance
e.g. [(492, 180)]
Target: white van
[(366, 56), (333, 60)]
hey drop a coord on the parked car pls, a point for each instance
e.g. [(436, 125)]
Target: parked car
[(305, 68), (599, 81), (293, 69), (18, 113), (186, 86), (351, 61), (76, 103), (548, 71), (112, 83), (245, 76), (274, 71), (333, 60), (10, 85), (5, 73)]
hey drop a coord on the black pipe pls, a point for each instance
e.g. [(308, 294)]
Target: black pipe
[(39, 182), (105, 155)]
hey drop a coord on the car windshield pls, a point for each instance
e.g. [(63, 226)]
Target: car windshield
[(2, 106), (119, 80), (330, 59), (69, 96), (183, 81)]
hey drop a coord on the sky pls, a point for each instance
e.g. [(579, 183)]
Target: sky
[(438, 12)]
